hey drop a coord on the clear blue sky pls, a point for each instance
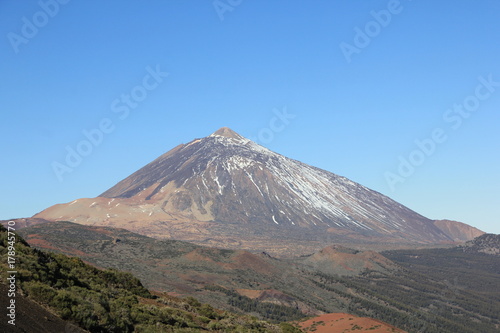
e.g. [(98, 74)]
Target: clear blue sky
[(360, 101)]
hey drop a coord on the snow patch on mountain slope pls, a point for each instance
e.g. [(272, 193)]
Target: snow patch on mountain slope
[(313, 189)]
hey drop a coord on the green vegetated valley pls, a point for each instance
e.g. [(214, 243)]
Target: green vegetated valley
[(439, 290)]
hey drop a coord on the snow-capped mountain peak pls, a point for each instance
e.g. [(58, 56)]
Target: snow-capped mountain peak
[(227, 180)]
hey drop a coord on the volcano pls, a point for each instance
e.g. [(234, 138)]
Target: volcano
[(227, 191)]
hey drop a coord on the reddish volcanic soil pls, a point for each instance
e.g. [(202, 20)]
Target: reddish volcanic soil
[(341, 322)]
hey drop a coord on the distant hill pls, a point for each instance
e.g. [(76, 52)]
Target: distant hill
[(487, 244), (339, 260), (458, 231)]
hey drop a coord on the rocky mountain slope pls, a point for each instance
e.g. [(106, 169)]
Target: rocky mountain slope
[(225, 190)]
